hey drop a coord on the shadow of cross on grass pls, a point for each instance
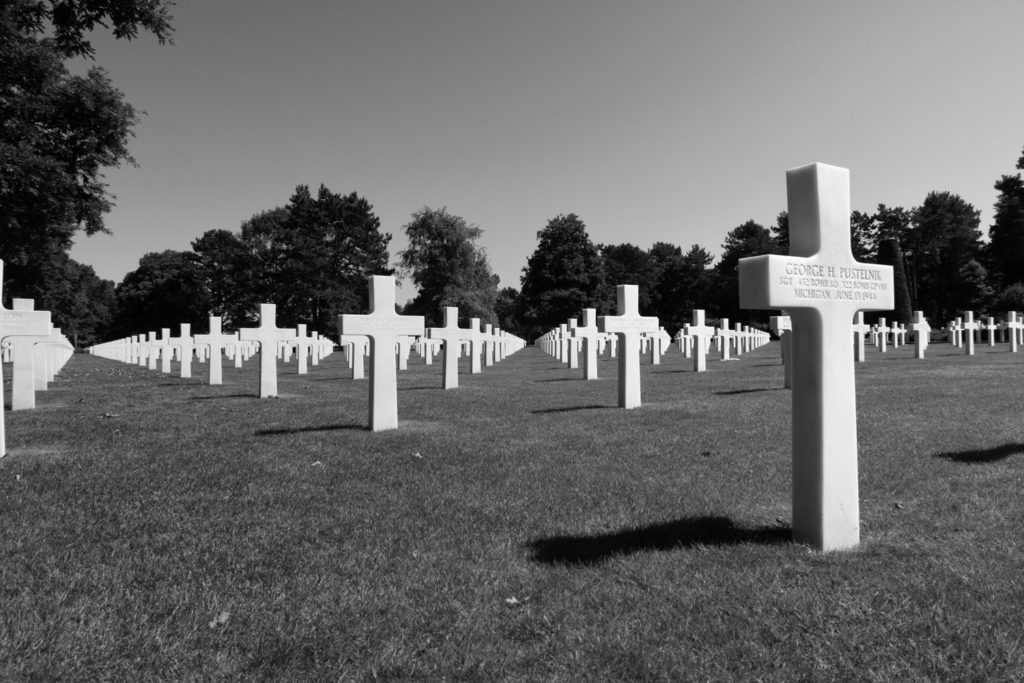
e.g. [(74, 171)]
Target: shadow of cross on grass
[(983, 454), (681, 533)]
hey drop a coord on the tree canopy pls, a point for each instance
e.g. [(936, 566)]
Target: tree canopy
[(449, 268), (561, 277)]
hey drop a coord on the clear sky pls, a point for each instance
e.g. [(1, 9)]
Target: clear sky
[(653, 121)]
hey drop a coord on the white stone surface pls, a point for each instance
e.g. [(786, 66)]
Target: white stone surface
[(628, 325), (821, 286), (383, 326), (268, 335)]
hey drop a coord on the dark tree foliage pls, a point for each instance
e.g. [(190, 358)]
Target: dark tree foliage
[(506, 310), (1009, 299), (625, 264), (684, 282), (312, 257), (780, 232), (1005, 251), (167, 289), (561, 277), (59, 132), (448, 268), (889, 254), (942, 241), (229, 277), (748, 239)]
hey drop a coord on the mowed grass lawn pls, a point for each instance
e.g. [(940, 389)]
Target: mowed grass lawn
[(521, 527)]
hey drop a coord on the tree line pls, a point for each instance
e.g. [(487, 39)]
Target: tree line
[(311, 255)]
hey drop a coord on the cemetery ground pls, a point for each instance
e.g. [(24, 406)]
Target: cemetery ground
[(520, 527)]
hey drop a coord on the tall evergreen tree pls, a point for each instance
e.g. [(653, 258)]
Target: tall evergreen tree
[(748, 239), (561, 277), (889, 254), (943, 239), (1005, 251)]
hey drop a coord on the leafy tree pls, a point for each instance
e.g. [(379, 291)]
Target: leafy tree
[(780, 232), (506, 309), (1009, 299), (684, 283), (943, 239), (625, 264), (228, 273), (59, 131), (312, 256), (748, 239), (166, 290), (448, 267), (889, 254), (1006, 234), (561, 277)]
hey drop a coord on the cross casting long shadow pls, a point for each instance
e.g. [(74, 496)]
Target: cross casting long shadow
[(211, 398), (568, 410), (682, 533), (747, 391), (299, 430), (983, 455)]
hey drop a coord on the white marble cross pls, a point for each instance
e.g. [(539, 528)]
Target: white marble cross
[(216, 340), (968, 327), (587, 334), (383, 326), (991, 327), (268, 334), (452, 335), (25, 369), (355, 347), (16, 324), (922, 332), (303, 345), (1013, 325), (782, 325), (700, 333), (821, 286), (860, 329), (723, 334), (185, 346), (628, 325)]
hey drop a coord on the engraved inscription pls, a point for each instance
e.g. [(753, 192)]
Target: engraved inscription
[(835, 283), (619, 325), (369, 324)]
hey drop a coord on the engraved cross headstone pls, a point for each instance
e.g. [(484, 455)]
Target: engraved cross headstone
[(629, 325), (17, 324), (383, 326), (216, 340), (821, 286), (268, 334), (452, 335)]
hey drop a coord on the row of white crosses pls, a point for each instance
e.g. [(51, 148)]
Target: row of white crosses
[(35, 349), (146, 350), (568, 341), (962, 331), (386, 330)]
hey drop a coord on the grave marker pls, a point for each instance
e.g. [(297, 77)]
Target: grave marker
[(628, 325), (383, 326), (452, 335), (17, 324), (216, 340), (821, 286), (267, 335)]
